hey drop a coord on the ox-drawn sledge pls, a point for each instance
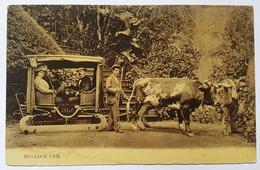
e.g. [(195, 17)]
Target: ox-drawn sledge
[(43, 113)]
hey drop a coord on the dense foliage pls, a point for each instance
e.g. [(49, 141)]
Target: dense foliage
[(237, 49), (166, 42), (92, 30), (237, 55), (24, 37), (127, 35)]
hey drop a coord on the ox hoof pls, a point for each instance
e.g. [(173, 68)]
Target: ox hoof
[(142, 128), (190, 134), (181, 126), (140, 125), (134, 128), (146, 125)]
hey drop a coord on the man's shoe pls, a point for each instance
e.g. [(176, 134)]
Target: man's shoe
[(235, 131), (108, 129), (119, 131), (225, 134)]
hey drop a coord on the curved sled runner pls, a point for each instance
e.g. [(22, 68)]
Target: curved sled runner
[(27, 127)]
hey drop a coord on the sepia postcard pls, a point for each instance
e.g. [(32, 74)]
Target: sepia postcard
[(130, 84)]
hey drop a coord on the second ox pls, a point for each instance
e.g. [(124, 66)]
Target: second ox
[(181, 94)]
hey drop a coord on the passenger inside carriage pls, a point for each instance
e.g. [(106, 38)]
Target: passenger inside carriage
[(73, 84), (41, 84), (44, 95), (63, 86), (83, 85)]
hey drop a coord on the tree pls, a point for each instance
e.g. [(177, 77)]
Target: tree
[(166, 42), (237, 56), (137, 35), (24, 37), (237, 48)]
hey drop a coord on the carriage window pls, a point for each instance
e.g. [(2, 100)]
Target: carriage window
[(69, 83)]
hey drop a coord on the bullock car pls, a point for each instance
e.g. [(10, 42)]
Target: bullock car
[(42, 112)]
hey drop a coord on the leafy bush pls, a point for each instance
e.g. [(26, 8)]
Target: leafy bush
[(246, 120), (139, 35), (166, 43), (206, 114), (237, 55), (237, 48), (24, 37)]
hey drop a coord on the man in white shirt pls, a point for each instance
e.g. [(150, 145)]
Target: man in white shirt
[(114, 91), (229, 105)]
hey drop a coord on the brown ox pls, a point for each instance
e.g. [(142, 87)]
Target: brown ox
[(180, 94)]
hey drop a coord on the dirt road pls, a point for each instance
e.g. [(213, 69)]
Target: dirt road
[(162, 143), (161, 135)]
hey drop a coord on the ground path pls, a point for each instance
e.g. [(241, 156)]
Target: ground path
[(164, 134), (163, 143)]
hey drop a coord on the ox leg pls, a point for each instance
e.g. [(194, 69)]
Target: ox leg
[(140, 116), (184, 115), (180, 119), (180, 116)]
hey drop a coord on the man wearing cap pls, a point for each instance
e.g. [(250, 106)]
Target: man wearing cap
[(229, 105), (84, 84), (114, 91)]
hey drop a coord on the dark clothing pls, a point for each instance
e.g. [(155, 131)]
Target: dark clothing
[(84, 84), (229, 115), (229, 103), (64, 96)]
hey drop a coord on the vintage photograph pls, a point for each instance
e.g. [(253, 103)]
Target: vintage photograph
[(130, 84)]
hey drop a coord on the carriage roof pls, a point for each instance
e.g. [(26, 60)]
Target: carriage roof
[(65, 60)]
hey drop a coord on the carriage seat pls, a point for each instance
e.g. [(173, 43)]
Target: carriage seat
[(88, 97), (44, 98)]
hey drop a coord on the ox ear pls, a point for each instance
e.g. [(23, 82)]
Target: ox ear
[(215, 85), (204, 87)]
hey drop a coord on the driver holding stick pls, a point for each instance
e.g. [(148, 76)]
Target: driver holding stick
[(114, 91)]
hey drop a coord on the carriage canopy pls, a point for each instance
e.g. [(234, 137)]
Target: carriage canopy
[(63, 61)]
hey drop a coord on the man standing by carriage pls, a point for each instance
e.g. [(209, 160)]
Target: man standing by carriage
[(114, 91)]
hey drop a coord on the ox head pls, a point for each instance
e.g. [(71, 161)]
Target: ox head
[(226, 91), (210, 91), (219, 94)]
